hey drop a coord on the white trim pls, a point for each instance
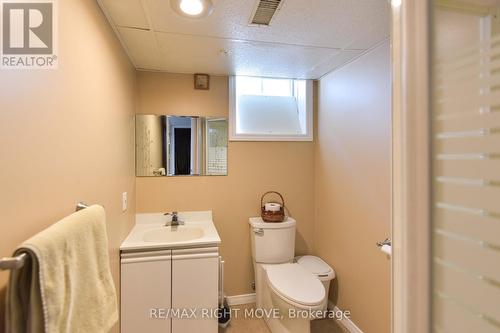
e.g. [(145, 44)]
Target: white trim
[(233, 136), (232, 107), (347, 323), (411, 168), (241, 299), (355, 58)]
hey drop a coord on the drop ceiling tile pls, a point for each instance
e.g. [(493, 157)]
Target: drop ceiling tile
[(371, 37), (189, 54), (141, 47), (326, 23), (126, 13), (306, 39), (279, 60)]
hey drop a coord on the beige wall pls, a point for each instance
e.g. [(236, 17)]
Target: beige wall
[(253, 169), (352, 186), (68, 134)]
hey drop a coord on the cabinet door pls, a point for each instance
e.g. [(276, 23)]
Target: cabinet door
[(195, 284), (146, 292)]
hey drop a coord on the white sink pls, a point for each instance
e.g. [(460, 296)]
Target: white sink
[(173, 234), (150, 232)]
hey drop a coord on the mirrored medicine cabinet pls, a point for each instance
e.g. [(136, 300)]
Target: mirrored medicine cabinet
[(180, 146)]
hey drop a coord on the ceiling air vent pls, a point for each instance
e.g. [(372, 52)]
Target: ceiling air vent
[(265, 11)]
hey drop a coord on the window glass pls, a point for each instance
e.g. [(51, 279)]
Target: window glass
[(269, 107)]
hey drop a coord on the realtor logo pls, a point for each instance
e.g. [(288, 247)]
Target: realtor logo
[(28, 34)]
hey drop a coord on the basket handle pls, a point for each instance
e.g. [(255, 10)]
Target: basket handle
[(269, 192)]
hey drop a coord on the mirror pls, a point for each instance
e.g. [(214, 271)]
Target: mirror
[(180, 146)]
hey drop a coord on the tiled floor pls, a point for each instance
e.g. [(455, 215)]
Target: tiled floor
[(327, 326), (241, 324)]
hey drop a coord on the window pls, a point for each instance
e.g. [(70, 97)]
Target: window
[(267, 109)]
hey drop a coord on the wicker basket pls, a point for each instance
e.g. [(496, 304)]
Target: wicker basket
[(268, 216)]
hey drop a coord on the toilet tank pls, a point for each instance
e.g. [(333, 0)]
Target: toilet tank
[(272, 243)]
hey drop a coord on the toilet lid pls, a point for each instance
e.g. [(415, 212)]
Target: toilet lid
[(316, 266), (295, 283)]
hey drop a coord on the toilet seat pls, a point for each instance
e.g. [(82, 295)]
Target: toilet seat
[(295, 284)]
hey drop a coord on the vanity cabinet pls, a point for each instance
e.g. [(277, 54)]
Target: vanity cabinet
[(195, 284), (155, 284)]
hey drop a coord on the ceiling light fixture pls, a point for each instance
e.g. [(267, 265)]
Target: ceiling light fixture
[(192, 8), (396, 3)]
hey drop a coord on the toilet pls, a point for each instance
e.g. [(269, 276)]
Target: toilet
[(296, 287)]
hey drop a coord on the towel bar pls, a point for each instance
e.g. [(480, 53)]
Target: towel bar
[(18, 261)]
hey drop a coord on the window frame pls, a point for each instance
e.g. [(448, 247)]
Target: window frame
[(233, 136)]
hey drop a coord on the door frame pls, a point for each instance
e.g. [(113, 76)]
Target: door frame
[(411, 168)]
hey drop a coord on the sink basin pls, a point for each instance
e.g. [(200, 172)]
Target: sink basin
[(173, 234), (150, 232)]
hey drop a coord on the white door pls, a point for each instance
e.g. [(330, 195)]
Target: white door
[(146, 292), (195, 274), (465, 131), (447, 168)]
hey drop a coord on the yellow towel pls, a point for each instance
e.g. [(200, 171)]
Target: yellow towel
[(65, 285)]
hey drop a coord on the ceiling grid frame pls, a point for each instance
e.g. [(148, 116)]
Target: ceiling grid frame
[(235, 47)]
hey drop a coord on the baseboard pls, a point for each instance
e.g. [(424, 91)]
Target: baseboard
[(240, 299), (346, 322)]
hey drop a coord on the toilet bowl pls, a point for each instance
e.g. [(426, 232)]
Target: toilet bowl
[(297, 295), (291, 291)]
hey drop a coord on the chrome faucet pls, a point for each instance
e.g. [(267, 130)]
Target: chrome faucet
[(175, 220)]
